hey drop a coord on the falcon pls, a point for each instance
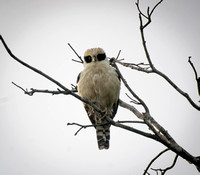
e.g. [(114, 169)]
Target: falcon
[(100, 84)]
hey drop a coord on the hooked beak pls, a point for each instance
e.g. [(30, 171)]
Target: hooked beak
[(94, 58)]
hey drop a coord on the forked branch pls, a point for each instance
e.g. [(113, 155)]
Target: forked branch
[(158, 132), (153, 68)]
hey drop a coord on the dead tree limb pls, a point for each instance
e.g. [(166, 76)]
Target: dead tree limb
[(158, 132), (87, 126), (163, 171), (153, 160), (153, 68)]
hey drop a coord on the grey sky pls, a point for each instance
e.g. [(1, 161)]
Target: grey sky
[(33, 132)]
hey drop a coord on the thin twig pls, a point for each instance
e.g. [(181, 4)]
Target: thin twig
[(25, 91), (81, 61), (81, 127), (173, 164), (139, 122), (53, 92), (137, 67), (77, 61), (195, 72), (132, 100), (94, 125), (138, 7), (177, 89), (153, 160), (163, 171), (155, 7), (118, 54)]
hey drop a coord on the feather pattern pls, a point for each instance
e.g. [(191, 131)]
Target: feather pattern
[(99, 83)]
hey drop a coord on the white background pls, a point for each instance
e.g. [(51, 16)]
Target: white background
[(34, 136)]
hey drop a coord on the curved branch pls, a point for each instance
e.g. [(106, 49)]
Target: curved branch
[(67, 91), (196, 76), (163, 171), (154, 70), (153, 160), (173, 164), (177, 88)]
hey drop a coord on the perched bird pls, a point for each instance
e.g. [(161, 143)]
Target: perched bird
[(99, 83)]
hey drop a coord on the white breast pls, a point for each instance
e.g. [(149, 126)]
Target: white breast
[(100, 84)]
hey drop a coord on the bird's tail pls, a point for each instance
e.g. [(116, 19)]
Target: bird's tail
[(103, 136)]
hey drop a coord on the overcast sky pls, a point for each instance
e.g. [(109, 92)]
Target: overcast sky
[(34, 136)]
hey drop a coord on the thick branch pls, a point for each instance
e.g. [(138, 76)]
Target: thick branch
[(128, 87), (162, 135), (132, 109)]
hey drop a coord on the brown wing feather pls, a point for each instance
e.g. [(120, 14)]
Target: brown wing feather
[(78, 78)]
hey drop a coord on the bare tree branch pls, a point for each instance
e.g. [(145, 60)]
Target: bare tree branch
[(154, 70), (53, 92), (162, 135), (196, 76), (173, 164), (67, 91), (139, 67), (81, 61), (118, 54), (81, 127), (153, 160), (149, 14), (87, 126), (132, 100), (132, 109), (158, 132), (128, 87), (163, 171), (138, 7), (117, 124)]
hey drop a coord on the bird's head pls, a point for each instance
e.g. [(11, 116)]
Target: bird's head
[(94, 55)]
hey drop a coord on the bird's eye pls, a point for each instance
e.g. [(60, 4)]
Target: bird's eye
[(88, 59), (101, 56)]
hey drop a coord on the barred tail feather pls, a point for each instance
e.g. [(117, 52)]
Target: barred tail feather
[(103, 137)]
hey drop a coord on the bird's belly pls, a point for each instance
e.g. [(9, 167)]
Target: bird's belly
[(101, 88)]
